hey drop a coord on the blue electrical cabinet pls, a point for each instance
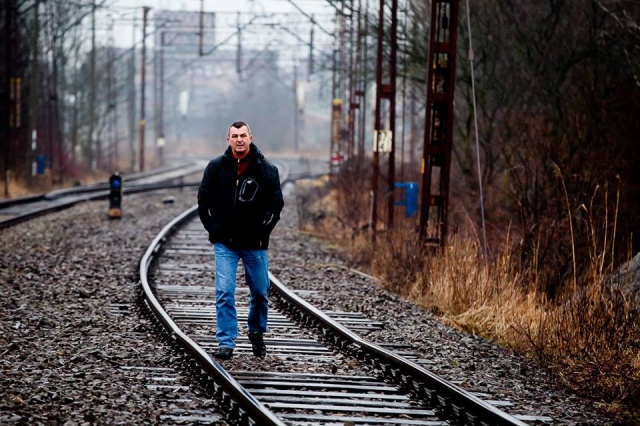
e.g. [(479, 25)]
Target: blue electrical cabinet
[(409, 199)]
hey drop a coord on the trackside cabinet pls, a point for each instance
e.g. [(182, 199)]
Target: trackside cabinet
[(409, 198)]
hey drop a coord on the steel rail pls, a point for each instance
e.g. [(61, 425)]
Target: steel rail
[(452, 400), (21, 200), (52, 195), (253, 408), (250, 405), (449, 397)]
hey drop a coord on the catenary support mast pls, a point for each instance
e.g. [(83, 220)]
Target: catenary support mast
[(438, 135)]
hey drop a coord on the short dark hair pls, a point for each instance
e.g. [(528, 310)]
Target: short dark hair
[(238, 125)]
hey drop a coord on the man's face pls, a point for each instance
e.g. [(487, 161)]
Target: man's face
[(239, 140)]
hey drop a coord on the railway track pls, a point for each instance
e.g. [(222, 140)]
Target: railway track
[(17, 210), (310, 375), (318, 369)]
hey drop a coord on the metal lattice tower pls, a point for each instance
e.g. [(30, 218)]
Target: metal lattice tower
[(436, 161)]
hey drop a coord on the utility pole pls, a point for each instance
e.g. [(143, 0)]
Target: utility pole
[(132, 101), (358, 104), (377, 125), (14, 87), (310, 69), (156, 89), (338, 91), (336, 114), (113, 146), (296, 116), (391, 176), (239, 49), (438, 134), (201, 35), (384, 139), (142, 123), (353, 81), (75, 109), (35, 89), (161, 138), (160, 141), (342, 82), (92, 89), (362, 91)]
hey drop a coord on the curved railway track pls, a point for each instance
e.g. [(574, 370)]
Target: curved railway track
[(319, 369)]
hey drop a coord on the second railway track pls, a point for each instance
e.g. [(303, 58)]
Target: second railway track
[(17, 210)]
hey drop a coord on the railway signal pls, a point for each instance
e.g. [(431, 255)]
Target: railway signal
[(115, 196)]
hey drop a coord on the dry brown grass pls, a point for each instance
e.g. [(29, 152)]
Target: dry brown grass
[(588, 336)]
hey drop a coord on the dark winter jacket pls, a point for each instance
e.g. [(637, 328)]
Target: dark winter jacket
[(240, 211)]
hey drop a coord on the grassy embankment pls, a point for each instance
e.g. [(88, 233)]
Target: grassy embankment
[(588, 336)]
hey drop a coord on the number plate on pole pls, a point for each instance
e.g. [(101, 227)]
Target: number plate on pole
[(382, 140)]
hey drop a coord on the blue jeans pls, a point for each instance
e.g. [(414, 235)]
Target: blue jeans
[(256, 268)]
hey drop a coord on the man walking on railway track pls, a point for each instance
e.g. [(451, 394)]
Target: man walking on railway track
[(239, 203)]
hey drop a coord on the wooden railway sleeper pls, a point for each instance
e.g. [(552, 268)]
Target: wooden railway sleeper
[(193, 369)]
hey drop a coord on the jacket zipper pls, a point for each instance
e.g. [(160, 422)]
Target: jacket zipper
[(235, 197)]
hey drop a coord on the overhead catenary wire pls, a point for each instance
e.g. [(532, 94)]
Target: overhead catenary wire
[(475, 126), (311, 18), (235, 32)]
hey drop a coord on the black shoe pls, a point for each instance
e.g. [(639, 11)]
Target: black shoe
[(224, 353), (257, 344)]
